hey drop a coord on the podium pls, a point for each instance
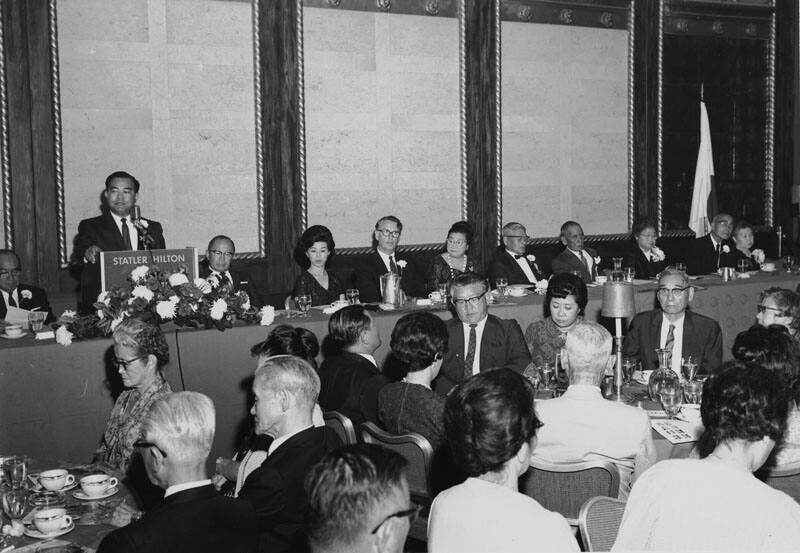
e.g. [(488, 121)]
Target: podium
[(116, 267)]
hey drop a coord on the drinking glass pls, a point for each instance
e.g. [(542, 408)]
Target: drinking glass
[(546, 371), (443, 291), (502, 286), (680, 267), (617, 261), (15, 503), (303, 303), (693, 391), (352, 295), (15, 469), (628, 367), (671, 400), (36, 319), (742, 265), (629, 273), (788, 263), (689, 367)]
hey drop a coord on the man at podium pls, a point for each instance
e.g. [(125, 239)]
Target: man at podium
[(119, 228)]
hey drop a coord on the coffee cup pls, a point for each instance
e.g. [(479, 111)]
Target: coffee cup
[(435, 297), (50, 521), (13, 330), (600, 279), (55, 479), (338, 304), (516, 292), (96, 485)]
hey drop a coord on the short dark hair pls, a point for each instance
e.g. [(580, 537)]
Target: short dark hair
[(347, 324), (469, 278), (786, 300), (568, 224), (641, 224), (566, 284), (739, 226), (221, 237), (462, 227), (742, 402), (288, 340), (488, 418), (122, 175), (391, 218), (418, 339), (5, 251), (773, 348), (345, 489)]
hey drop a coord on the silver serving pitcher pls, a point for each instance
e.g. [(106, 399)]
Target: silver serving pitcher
[(390, 289)]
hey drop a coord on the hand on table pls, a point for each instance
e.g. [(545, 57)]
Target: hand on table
[(124, 514)]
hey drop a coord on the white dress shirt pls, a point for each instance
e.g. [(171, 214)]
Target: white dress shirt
[(133, 230), (186, 486), (476, 361), (523, 264), (369, 358), (14, 294), (677, 345), (385, 258)]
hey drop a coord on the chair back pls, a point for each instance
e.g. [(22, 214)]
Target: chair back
[(565, 487), (416, 450), (342, 425), (785, 478), (599, 521)]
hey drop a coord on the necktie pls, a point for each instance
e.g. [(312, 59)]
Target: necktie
[(470, 357), (719, 252), (126, 235), (11, 301), (585, 262), (392, 265), (518, 256)]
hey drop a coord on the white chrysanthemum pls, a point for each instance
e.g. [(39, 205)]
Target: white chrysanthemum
[(219, 309), (138, 274), (174, 298), (203, 285), (142, 292), (165, 309), (115, 323), (63, 336), (176, 279), (102, 297), (267, 315)]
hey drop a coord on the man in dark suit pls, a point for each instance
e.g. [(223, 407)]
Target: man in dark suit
[(674, 327), (511, 262), (708, 253), (176, 439), (575, 256), (286, 389), (219, 255), (350, 381), (367, 274), (478, 341), (114, 230), (19, 295)]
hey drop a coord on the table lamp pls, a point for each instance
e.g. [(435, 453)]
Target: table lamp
[(618, 304)]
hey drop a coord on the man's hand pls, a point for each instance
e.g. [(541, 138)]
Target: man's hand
[(90, 255)]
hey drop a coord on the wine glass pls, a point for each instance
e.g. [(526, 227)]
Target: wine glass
[(303, 303), (628, 368), (689, 367), (788, 263), (15, 469), (502, 286), (15, 503), (352, 295), (671, 396), (546, 371), (693, 391)]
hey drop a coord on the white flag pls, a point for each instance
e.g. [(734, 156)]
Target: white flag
[(703, 179)]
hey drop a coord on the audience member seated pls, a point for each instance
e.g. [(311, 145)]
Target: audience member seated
[(743, 239), (216, 267), (715, 503), (491, 425), (19, 295), (476, 340), (350, 379), (575, 258), (779, 306), (192, 518), (708, 253), (285, 390), (674, 327), (419, 342), (314, 248), (359, 501), (774, 349), (564, 304), (645, 257), (384, 259), (511, 261), (114, 230), (582, 425), (454, 260)]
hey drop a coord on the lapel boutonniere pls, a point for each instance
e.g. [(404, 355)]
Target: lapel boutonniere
[(657, 253), (27, 294), (531, 258), (402, 264), (597, 260), (726, 248)]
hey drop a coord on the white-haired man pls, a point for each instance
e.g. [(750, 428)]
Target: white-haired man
[(176, 440), (582, 425), (286, 389)]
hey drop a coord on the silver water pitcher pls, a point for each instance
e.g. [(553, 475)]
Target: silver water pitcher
[(391, 292)]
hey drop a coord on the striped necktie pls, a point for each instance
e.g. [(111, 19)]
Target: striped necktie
[(471, 347)]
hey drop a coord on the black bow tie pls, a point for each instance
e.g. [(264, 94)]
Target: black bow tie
[(518, 256)]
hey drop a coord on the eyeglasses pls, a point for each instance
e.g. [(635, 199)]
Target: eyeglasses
[(123, 363), (473, 301), (13, 273), (762, 308), (221, 253), (674, 292), (411, 513), (387, 233), (455, 242), (141, 444)]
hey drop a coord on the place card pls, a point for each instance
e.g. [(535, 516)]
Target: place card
[(675, 431)]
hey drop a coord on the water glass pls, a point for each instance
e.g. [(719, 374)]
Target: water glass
[(443, 286), (629, 273), (788, 263), (352, 295), (546, 372), (617, 261), (303, 303), (36, 320), (671, 397), (629, 365), (693, 391), (15, 503), (680, 267), (502, 285), (15, 469), (742, 265), (689, 367)]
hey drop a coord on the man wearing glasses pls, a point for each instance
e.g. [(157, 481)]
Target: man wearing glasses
[(384, 260), (359, 501), (216, 267), (478, 341), (674, 327), (708, 253), (511, 261), (16, 294)]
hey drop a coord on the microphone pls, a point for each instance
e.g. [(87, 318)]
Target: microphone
[(136, 214), (141, 226)]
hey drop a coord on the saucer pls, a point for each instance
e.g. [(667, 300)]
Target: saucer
[(38, 487), (82, 496), (7, 337), (34, 533)]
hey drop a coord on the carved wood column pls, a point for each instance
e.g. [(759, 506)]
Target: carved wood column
[(787, 62)]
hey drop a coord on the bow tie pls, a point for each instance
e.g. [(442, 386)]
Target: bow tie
[(518, 256)]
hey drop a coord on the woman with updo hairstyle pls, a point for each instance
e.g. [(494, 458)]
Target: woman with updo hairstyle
[(715, 503), (490, 424), (645, 257), (779, 306), (140, 353), (313, 250), (454, 260), (419, 343)]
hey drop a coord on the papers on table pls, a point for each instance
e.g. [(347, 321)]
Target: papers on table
[(15, 315), (677, 432)]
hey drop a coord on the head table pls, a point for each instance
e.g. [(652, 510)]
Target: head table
[(55, 400)]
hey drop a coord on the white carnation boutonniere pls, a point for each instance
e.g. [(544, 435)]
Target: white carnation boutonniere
[(597, 260), (144, 223), (758, 256), (267, 315), (726, 248), (657, 253), (27, 294), (402, 264)]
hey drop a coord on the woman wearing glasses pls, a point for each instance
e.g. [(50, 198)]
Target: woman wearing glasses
[(313, 250), (779, 306), (454, 260), (645, 257)]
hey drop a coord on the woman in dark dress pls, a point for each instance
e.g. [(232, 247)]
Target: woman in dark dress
[(743, 238), (645, 257), (314, 248), (454, 260)]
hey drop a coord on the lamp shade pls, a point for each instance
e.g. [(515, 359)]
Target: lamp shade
[(618, 300)]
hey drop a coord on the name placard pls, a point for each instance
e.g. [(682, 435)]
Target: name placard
[(116, 267)]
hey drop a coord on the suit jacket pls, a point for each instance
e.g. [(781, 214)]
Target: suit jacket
[(701, 256), (38, 299), (502, 345), (192, 521), (349, 383), (241, 281), (276, 489), (566, 262), (102, 231), (366, 277), (644, 268), (702, 337), (504, 265)]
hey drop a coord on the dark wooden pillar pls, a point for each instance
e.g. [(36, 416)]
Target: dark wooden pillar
[(31, 139), (786, 124)]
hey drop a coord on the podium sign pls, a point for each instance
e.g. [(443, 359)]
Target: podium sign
[(116, 267)]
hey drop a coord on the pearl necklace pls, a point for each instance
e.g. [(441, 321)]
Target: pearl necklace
[(452, 269)]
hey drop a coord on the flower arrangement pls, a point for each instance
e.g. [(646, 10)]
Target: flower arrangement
[(657, 253)]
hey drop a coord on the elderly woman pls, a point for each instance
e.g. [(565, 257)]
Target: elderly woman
[(779, 306), (419, 342), (715, 503), (743, 238), (491, 425), (564, 305), (140, 352), (313, 249), (454, 260), (646, 259)]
